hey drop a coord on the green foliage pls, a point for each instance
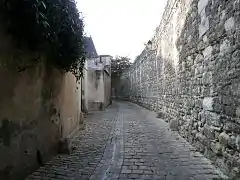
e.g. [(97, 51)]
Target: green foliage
[(119, 64), (52, 27)]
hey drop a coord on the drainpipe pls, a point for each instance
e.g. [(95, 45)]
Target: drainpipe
[(81, 95)]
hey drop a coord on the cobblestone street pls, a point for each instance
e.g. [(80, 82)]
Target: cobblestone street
[(127, 142)]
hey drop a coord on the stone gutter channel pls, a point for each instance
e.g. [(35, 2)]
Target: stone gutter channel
[(111, 163)]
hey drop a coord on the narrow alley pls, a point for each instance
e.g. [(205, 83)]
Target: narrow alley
[(127, 142)]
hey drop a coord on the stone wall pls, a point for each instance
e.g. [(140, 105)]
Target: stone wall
[(84, 87), (38, 107), (190, 74)]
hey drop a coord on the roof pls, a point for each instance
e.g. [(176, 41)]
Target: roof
[(89, 47)]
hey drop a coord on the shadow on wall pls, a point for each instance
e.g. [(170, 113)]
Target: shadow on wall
[(115, 80), (98, 75), (25, 112), (37, 104)]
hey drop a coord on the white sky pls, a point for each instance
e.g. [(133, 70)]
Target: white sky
[(121, 27)]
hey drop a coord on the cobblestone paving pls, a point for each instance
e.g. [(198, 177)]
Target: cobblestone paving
[(128, 142)]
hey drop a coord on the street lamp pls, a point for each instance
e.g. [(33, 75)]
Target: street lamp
[(149, 44)]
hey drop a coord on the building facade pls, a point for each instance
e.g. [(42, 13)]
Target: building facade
[(97, 79)]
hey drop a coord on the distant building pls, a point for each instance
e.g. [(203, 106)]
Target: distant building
[(90, 47), (96, 91)]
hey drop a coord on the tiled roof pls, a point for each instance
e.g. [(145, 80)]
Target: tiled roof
[(89, 47)]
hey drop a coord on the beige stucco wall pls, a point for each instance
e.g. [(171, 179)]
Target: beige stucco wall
[(70, 104), (84, 93), (98, 85), (38, 107), (95, 88), (35, 113)]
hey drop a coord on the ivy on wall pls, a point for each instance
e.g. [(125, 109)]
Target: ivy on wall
[(51, 27)]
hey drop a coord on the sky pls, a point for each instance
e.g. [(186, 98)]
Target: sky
[(121, 27)]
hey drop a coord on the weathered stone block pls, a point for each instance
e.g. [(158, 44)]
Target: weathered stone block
[(235, 173), (200, 147), (208, 103), (201, 138), (238, 142), (235, 89), (229, 110), (224, 138), (204, 25), (235, 63), (232, 142), (217, 106), (213, 119), (209, 132), (202, 5), (174, 125), (231, 127), (207, 78), (220, 162), (229, 24), (64, 146), (226, 100), (217, 148), (225, 47), (207, 52), (199, 58)]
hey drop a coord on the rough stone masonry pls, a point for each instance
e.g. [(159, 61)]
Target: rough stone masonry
[(191, 75)]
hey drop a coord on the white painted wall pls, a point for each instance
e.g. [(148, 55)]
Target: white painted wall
[(95, 87)]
